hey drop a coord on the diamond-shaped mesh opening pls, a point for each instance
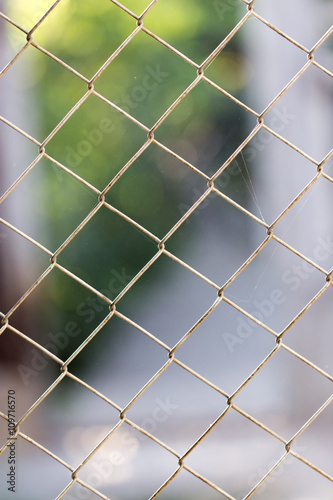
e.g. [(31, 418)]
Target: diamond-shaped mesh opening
[(195, 298), (230, 69), (208, 251), (128, 240), (120, 385), (226, 347), (236, 183), (272, 174), (165, 406), (275, 297), (99, 129), (238, 73), (68, 319), (84, 45), (129, 453), (232, 441), (197, 130), (80, 438), (304, 134), (291, 406), (204, 32), (157, 179), (143, 89)]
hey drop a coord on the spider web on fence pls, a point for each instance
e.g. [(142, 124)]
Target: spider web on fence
[(221, 289)]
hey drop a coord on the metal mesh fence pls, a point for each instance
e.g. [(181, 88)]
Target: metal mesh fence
[(221, 289)]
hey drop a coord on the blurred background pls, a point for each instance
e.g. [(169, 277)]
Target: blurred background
[(155, 191)]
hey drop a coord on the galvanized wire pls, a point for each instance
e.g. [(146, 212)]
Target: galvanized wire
[(221, 289)]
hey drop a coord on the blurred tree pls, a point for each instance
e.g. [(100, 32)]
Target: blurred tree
[(97, 141)]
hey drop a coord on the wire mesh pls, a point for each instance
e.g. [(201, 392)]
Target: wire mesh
[(161, 245)]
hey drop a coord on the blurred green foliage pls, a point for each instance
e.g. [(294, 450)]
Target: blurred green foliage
[(97, 141)]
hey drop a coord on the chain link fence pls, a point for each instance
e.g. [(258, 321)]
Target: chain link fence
[(287, 446)]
